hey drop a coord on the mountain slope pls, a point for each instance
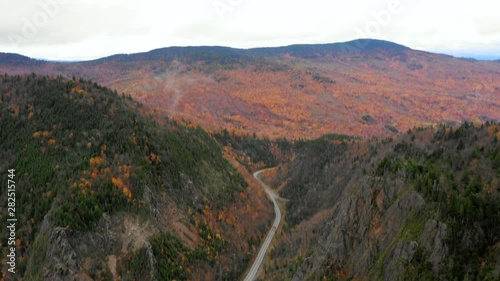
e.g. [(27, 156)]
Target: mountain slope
[(104, 192), (363, 87), (18, 60), (424, 206), (319, 51)]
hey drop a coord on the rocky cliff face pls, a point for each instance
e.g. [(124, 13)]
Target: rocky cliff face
[(63, 254), (367, 237), (422, 207)]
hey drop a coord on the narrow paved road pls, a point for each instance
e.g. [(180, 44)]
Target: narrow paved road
[(252, 273)]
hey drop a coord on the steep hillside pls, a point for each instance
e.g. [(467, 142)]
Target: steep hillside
[(361, 88), (424, 206), (258, 153), (105, 193)]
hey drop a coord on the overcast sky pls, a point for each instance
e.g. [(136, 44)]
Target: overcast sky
[(88, 29)]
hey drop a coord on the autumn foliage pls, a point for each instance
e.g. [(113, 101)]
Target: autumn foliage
[(300, 92)]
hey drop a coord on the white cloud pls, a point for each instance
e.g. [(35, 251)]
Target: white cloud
[(76, 29)]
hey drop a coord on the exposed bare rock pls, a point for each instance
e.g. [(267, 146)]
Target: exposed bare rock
[(352, 241), (433, 240)]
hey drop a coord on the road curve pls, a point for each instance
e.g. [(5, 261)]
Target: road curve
[(252, 273)]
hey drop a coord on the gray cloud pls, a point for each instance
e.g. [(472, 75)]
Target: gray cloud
[(69, 29)]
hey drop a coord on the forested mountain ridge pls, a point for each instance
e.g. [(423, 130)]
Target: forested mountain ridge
[(93, 168), (18, 60), (104, 192), (422, 206), (359, 88)]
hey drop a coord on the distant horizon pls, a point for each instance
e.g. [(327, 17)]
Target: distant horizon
[(459, 55), (81, 30)]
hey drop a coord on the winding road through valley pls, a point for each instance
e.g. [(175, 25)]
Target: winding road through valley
[(252, 273)]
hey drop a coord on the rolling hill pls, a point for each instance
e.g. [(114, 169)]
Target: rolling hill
[(362, 88)]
